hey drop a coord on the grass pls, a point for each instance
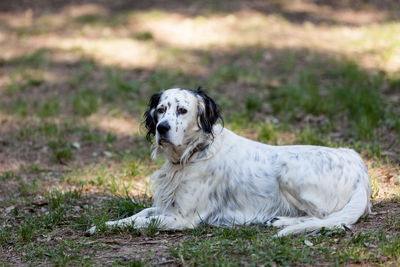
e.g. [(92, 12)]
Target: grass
[(49, 108), (62, 151), (75, 86), (85, 103), (254, 245)]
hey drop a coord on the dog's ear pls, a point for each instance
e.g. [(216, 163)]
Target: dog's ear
[(150, 116), (209, 112)]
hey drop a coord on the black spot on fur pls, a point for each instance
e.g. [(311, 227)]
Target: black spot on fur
[(211, 113), (150, 120)]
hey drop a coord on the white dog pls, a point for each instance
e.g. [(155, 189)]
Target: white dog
[(214, 176)]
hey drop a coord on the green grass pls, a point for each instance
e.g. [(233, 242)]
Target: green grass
[(49, 108), (6, 175), (85, 103), (118, 87), (269, 133), (351, 92), (255, 245), (309, 136), (19, 107), (49, 129), (143, 36), (62, 151)]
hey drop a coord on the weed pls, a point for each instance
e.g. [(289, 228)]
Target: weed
[(390, 247), (49, 129), (20, 107), (269, 133), (110, 138), (28, 229), (253, 103), (392, 223), (153, 227), (311, 137), (91, 136), (101, 20), (125, 207), (62, 151), (50, 108), (6, 175), (34, 59), (375, 187), (64, 253), (23, 79), (117, 87), (303, 95), (258, 247), (143, 36), (85, 103), (360, 97), (5, 236), (26, 189), (57, 198), (354, 93), (54, 217), (84, 75)]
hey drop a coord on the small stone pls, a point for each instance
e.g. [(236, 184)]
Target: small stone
[(107, 154), (308, 243), (76, 145), (9, 209)]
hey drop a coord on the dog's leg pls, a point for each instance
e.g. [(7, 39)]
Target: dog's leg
[(285, 221), (165, 221), (126, 221)]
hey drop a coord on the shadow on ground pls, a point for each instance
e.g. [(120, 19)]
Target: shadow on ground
[(340, 12)]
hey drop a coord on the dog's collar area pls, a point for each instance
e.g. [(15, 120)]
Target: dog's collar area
[(200, 147)]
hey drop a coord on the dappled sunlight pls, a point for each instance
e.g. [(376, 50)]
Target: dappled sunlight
[(130, 178), (76, 11), (385, 180), (122, 126), (328, 14), (254, 29), (123, 52), (115, 44)]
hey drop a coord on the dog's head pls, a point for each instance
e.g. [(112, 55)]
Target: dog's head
[(176, 117)]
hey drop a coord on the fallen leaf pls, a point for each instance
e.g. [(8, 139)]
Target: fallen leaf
[(388, 176)]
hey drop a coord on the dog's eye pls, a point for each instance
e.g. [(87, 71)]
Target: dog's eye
[(182, 111), (161, 110)]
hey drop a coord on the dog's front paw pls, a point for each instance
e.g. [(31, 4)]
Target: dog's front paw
[(91, 231), (270, 221)]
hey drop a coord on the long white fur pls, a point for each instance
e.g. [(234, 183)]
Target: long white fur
[(235, 180)]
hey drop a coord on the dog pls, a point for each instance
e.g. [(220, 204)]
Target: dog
[(213, 176)]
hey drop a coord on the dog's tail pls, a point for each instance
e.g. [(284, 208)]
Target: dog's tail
[(358, 205)]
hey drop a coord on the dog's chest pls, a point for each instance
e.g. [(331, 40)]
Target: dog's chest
[(192, 193)]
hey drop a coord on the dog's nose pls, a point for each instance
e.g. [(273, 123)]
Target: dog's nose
[(163, 127)]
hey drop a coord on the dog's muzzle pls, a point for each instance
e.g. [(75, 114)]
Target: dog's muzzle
[(163, 129)]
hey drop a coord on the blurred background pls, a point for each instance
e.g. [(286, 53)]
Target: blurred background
[(76, 76)]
